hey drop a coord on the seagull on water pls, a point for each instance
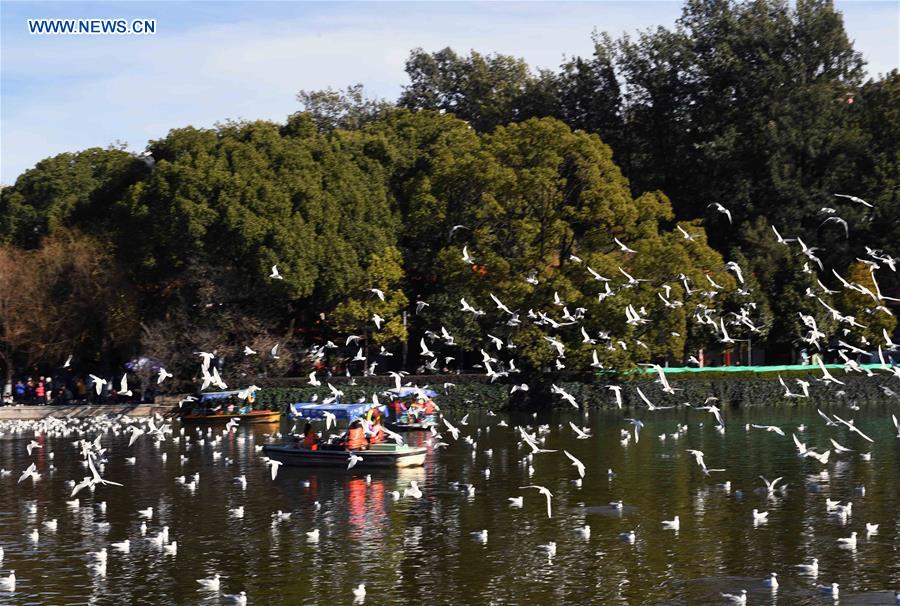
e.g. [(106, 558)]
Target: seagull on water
[(413, 491), (124, 546), (674, 524), (848, 542), (740, 598), (770, 486), (240, 599), (810, 569), (210, 584)]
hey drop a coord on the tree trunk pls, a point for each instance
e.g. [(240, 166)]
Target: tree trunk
[(8, 377)]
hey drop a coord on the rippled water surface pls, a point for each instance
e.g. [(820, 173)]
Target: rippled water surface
[(422, 551)]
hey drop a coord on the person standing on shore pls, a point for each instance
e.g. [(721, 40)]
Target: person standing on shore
[(19, 391), (48, 390), (40, 392), (81, 388)]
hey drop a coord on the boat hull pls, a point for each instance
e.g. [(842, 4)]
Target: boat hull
[(402, 427), (256, 416), (410, 456)]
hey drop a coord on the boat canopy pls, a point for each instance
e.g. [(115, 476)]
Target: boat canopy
[(348, 412), (223, 395), (405, 392)]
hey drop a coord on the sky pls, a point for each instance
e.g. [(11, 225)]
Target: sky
[(214, 61)]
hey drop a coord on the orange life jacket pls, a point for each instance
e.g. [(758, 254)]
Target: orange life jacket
[(429, 407), (311, 441), (356, 438), (377, 437)]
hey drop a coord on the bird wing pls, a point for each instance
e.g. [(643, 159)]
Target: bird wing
[(644, 398)]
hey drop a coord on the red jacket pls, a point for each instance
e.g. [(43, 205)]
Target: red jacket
[(356, 438)]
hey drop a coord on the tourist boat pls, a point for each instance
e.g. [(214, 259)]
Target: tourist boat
[(403, 422), (377, 455), (337, 411), (223, 406)]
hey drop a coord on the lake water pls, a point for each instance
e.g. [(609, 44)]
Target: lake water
[(422, 551)]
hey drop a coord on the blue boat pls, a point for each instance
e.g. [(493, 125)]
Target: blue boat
[(406, 421), (341, 412), (405, 392)]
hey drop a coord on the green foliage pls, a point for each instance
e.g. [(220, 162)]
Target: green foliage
[(758, 105), (355, 315), (864, 307), (330, 109), (486, 91), (462, 395), (68, 189)]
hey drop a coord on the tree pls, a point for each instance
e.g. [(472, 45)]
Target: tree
[(589, 96), (530, 197), (484, 90), (349, 109), (69, 190), (866, 309), (65, 297), (357, 314)]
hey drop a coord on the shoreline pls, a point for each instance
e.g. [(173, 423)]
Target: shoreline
[(16, 412)]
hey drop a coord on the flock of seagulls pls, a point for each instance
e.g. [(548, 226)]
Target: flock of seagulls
[(94, 436), (93, 441)]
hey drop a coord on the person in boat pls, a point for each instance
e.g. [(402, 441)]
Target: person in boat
[(377, 436), (430, 407), (310, 439), (356, 436), (417, 410), (399, 407)]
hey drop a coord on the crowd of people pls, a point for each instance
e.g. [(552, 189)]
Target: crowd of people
[(40, 390)]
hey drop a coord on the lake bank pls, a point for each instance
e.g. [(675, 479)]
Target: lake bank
[(81, 411), (475, 392)]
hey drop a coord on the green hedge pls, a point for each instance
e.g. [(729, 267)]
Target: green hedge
[(731, 389), (463, 395), (738, 391)]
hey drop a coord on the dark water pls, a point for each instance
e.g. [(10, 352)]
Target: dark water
[(421, 551)]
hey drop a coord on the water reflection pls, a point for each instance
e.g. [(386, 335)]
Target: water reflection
[(415, 550)]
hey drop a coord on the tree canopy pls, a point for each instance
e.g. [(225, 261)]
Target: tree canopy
[(678, 189)]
